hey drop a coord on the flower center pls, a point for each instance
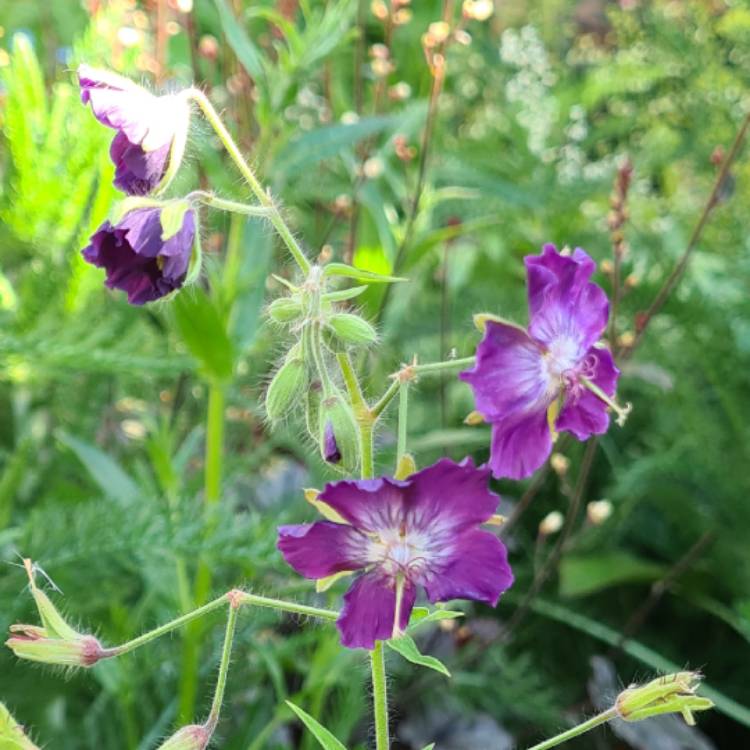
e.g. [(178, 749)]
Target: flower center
[(398, 552)]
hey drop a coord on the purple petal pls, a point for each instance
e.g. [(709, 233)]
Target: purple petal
[(137, 172), (449, 496), (331, 452), (520, 447), (323, 548), (510, 376), (368, 504), (477, 569), (583, 413), (565, 308), (370, 609)]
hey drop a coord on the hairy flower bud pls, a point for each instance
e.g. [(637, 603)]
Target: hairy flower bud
[(337, 432), (672, 693), (286, 385), (55, 642), (192, 737), (351, 329), (12, 736), (284, 310)]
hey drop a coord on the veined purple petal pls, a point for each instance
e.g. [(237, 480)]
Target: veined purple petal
[(370, 609), (449, 497), (323, 548), (137, 172), (583, 413), (510, 376), (476, 569), (368, 504), (567, 312), (521, 446)]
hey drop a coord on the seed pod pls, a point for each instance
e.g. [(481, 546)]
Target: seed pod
[(287, 383), (284, 310), (351, 329), (192, 737), (337, 433)]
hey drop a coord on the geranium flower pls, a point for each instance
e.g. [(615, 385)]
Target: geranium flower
[(422, 532), (151, 130), (553, 377), (138, 258)]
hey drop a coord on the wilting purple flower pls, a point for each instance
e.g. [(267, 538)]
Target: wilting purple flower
[(331, 452), (147, 127), (529, 384), (420, 532), (137, 259)]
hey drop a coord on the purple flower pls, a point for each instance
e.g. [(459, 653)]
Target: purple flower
[(401, 535), (136, 257), (151, 130), (530, 384)]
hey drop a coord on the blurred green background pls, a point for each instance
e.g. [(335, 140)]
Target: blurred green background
[(102, 405)]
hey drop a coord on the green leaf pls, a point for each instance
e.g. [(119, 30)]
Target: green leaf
[(203, 331), (405, 646), (431, 746), (422, 615), (321, 734), (591, 573), (171, 217), (341, 269), (241, 44), (105, 471)]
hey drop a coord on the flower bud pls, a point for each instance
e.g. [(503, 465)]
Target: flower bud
[(313, 396), (337, 432), (55, 642), (559, 463), (12, 735), (192, 737), (551, 523), (286, 385), (672, 693), (284, 310), (351, 329)]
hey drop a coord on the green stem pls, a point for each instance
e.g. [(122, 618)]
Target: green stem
[(284, 606), (242, 598), (403, 421), (386, 398), (221, 681), (366, 448), (213, 201), (168, 627), (596, 721), (352, 383), (448, 364), (380, 697), (263, 197), (214, 443)]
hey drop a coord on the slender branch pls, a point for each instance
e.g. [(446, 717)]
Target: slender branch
[(221, 681), (448, 364), (263, 197), (680, 267), (352, 383), (403, 420), (379, 407), (213, 201), (582, 728), (285, 606), (380, 697)]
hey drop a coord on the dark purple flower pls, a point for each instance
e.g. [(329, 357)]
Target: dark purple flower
[(137, 259), (331, 452), (530, 384), (401, 535), (147, 126)]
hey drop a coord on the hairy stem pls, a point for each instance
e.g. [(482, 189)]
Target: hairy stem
[(253, 183), (380, 697), (403, 420), (213, 201), (582, 728), (221, 680)]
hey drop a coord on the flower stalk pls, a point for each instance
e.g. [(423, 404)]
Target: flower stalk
[(380, 697)]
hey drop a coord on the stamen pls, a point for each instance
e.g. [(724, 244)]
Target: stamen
[(621, 411), (396, 632)]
